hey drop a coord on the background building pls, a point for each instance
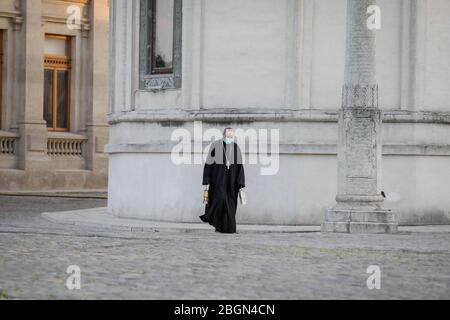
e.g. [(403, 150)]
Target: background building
[(53, 94), (274, 64)]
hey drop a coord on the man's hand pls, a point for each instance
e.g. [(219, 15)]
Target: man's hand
[(205, 196)]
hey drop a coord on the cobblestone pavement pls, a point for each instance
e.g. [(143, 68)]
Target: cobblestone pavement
[(169, 264)]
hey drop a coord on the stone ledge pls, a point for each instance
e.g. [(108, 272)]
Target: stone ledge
[(8, 134), (85, 194), (286, 148), (225, 115), (41, 180), (65, 135)]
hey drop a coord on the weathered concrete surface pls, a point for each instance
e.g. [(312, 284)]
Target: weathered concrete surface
[(34, 256), (100, 217), (84, 193)]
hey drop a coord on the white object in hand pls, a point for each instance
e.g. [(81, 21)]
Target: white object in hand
[(242, 196)]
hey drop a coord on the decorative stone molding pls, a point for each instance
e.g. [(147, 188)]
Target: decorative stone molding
[(61, 20), (274, 114), (17, 23), (289, 148), (7, 145), (359, 141), (57, 61), (354, 95), (85, 28), (65, 145), (158, 82), (15, 17), (154, 82)]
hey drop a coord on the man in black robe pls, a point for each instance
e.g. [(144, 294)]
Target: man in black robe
[(223, 176)]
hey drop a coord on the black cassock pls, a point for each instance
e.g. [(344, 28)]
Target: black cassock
[(224, 184)]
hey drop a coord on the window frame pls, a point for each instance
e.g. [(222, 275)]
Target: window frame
[(1, 78), (57, 63), (149, 80)]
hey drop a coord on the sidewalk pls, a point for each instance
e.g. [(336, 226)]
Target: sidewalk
[(85, 193), (101, 218)]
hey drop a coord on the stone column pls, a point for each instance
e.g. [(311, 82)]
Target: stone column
[(359, 204), (32, 144), (96, 123)]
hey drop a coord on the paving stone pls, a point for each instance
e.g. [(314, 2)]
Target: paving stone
[(119, 264)]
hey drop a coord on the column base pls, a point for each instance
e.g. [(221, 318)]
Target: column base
[(360, 220)]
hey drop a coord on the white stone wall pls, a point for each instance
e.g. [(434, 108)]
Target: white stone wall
[(280, 64), (290, 54)]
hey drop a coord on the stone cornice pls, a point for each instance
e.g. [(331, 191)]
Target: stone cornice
[(286, 148), (15, 17), (277, 115), (10, 14), (85, 2), (85, 24)]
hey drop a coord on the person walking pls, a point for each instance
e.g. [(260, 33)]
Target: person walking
[(223, 178)]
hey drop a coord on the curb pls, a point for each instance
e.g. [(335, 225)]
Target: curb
[(101, 218), (57, 194)]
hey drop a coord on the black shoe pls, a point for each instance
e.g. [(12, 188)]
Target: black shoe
[(203, 218)]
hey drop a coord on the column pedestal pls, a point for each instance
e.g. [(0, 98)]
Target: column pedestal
[(359, 218), (359, 203)]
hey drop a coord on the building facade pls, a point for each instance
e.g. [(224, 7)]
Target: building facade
[(273, 65), (53, 94)]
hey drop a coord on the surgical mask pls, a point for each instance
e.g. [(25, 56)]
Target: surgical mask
[(228, 140)]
